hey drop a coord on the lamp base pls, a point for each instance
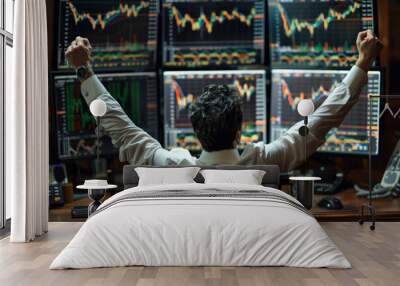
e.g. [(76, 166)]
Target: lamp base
[(96, 195), (372, 214)]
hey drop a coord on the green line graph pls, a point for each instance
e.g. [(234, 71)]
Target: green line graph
[(78, 117)]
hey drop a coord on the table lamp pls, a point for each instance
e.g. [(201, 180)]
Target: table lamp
[(303, 188), (96, 188)]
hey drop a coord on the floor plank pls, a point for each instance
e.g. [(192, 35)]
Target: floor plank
[(375, 257)]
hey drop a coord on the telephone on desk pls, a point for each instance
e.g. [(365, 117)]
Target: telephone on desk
[(390, 182), (57, 177)]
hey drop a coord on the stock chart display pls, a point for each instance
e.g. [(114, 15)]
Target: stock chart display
[(123, 33), (213, 32), (182, 88), (290, 86), (317, 32), (136, 93)]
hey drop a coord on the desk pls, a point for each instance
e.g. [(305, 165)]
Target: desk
[(386, 209)]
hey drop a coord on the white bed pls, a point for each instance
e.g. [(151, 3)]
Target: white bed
[(249, 226)]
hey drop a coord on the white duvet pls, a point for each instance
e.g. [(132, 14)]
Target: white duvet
[(200, 231)]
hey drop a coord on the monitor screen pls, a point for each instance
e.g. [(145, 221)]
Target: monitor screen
[(290, 86), (198, 33), (136, 93), (181, 88), (317, 32), (123, 33)]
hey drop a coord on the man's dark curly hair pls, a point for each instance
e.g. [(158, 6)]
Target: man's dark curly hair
[(216, 117)]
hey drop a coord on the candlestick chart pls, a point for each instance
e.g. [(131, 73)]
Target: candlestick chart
[(289, 87), (182, 88), (76, 126), (207, 33), (317, 32), (123, 33)]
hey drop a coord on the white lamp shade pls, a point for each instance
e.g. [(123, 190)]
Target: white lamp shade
[(98, 107), (305, 107)]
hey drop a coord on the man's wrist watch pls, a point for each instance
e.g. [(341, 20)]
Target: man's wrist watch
[(84, 72)]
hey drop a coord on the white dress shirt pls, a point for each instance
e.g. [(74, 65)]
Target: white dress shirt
[(139, 148)]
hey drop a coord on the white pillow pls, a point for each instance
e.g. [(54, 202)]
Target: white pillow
[(166, 176), (248, 177)]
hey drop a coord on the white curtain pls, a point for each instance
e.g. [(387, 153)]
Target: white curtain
[(27, 123)]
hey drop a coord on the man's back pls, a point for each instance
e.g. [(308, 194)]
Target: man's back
[(216, 117), (137, 147)]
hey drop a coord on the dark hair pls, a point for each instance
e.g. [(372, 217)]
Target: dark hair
[(216, 117)]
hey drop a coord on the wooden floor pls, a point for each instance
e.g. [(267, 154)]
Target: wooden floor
[(375, 257)]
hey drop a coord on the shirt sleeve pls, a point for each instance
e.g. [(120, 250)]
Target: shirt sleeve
[(135, 145), (288, 150)]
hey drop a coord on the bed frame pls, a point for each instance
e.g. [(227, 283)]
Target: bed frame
[(270, 179)]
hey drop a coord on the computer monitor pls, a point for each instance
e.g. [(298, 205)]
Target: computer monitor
[(123, 33), (199, 33), (75, 125), (352, 137), (319, 33), (181, 88)]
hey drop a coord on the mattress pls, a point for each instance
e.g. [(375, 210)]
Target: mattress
[(201, 225)]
